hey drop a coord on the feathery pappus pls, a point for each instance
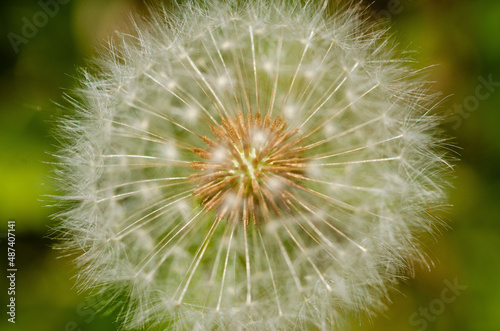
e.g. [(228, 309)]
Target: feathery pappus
[(255, 165)]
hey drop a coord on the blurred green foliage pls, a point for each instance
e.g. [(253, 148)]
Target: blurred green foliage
[(459, 35)]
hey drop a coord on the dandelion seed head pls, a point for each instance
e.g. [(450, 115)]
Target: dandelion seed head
[(249, 165)]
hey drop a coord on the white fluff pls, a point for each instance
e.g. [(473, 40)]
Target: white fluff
[(143, 242)]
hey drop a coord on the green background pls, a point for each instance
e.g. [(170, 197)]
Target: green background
[(461, 36)]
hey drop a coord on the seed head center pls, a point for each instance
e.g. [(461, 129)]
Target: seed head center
[(251, 166)]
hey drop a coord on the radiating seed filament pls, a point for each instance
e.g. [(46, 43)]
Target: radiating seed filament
[(249, 166)]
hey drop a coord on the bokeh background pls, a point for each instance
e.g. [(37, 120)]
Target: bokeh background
[(461, 36)]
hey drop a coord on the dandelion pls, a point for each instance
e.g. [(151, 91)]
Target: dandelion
[(249, 165)]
